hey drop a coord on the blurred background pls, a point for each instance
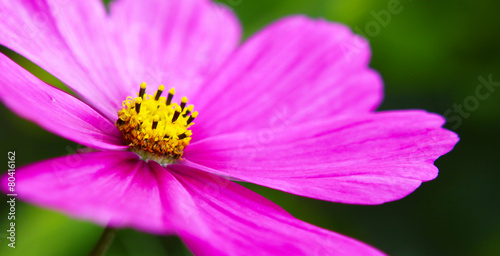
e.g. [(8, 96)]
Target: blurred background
[(431, 54)]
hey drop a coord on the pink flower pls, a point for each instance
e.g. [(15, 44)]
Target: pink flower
[(291, 109)]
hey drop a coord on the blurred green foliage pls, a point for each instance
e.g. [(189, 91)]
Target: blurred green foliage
[(430, 56)]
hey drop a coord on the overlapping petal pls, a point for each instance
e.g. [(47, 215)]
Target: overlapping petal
[(366, 159), (110, 188), (103, 58), (31, 29), (214, 216), (229, 219), (55, 110), (178, 43), (296, 70)]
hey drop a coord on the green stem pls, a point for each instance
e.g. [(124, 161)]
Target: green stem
[(104, 242)]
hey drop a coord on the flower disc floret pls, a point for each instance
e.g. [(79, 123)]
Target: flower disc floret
[(154, 127)]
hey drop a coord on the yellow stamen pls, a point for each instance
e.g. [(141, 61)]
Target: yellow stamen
[(192, 117), (158, 93), (178, 111), (186, 134), (154, 127), (170, 96), (156, 118), (188, 110), (184, 100), (138, 102), (142, 90)]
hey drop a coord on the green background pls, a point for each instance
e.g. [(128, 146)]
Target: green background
[(430, 56)]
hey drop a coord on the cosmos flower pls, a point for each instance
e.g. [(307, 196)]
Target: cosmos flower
[(288, 109)]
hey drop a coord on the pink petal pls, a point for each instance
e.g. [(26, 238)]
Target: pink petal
[(178, 43), (31, 28), (211, 214), (110, 188), (364, 159), (229, 219), (55, 110), (295, 70), (104, 58)]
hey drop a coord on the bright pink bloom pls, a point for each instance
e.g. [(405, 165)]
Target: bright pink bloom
[(287, 109)]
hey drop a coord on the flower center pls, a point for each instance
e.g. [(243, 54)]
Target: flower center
[(154, 127)]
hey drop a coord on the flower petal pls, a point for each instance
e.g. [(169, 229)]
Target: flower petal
[(211, 214), (229, 219), (297, 69), (31, 28), (110, 188), (367, 159), (104, 58), (179, 43), (55, 110)]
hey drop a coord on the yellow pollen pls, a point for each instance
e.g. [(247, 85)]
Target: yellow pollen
[(154, 127)]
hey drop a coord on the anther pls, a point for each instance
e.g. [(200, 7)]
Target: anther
[(170, 96), (188, 110), (142, 91), (155, 121), (158, 93), (185, 135), (192, 117), (138, 102), (176, 114), (184, 100)]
